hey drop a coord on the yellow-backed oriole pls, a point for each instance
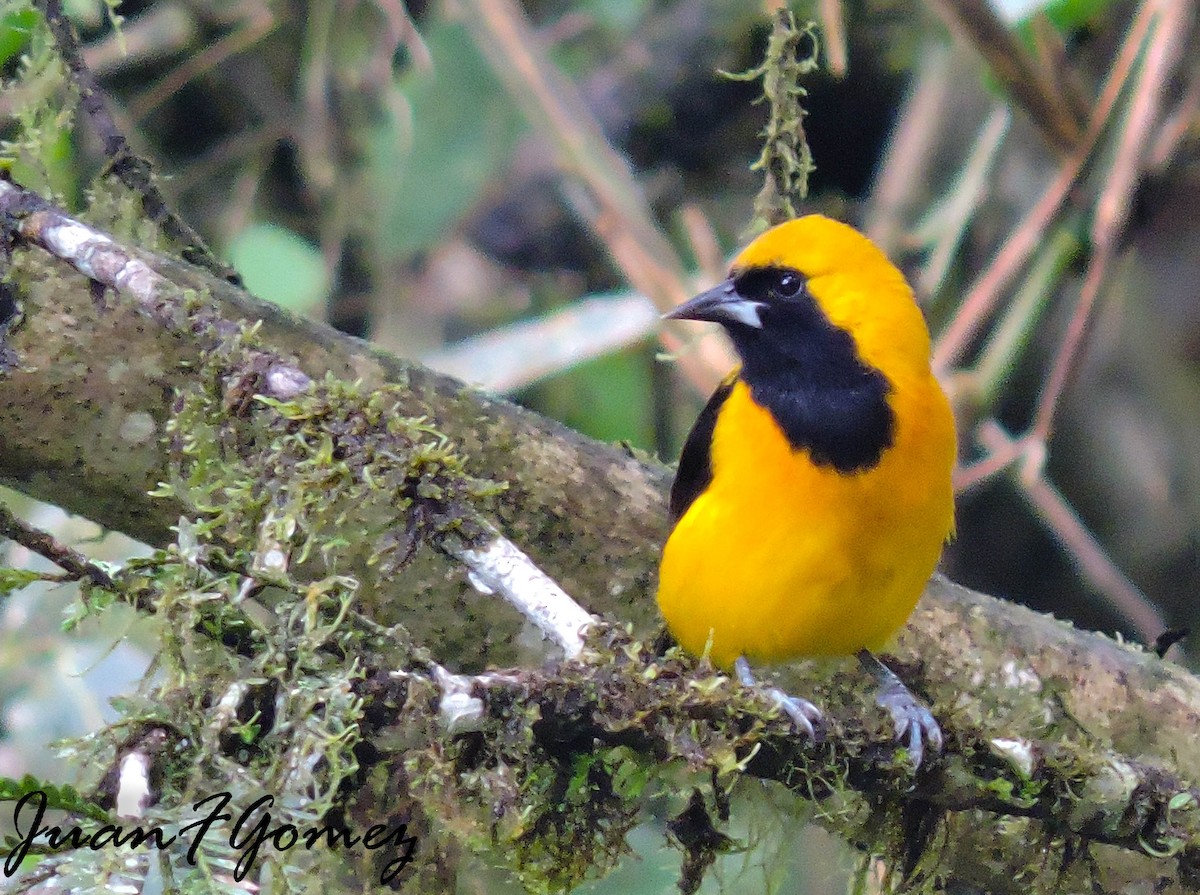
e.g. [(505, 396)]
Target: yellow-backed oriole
[(814, 494)]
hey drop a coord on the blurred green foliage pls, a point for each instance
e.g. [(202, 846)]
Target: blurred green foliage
[(37, 143), (280, 266), (610, 398), (1069, 14), (16, 25), (430, 162)]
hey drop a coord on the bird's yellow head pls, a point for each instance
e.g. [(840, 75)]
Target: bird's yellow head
[(792, 283)]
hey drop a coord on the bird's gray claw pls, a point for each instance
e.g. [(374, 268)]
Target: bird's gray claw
[(915, 725), (802, 712)]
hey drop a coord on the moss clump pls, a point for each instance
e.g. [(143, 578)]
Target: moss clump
[(562, 768), (266, 667), (335, 474)]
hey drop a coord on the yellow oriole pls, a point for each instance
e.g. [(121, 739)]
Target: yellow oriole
[(814, 494)]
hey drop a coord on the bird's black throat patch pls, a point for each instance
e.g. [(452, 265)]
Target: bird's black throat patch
[(807, 373)]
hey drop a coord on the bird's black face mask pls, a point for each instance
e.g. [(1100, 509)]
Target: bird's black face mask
[(800, 367)]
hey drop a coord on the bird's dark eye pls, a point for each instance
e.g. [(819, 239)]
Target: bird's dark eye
[(788, 285)]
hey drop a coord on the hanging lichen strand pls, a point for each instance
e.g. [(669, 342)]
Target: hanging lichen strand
[(785, 160)]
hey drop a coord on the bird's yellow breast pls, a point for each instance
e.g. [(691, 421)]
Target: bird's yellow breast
[(780, 558)]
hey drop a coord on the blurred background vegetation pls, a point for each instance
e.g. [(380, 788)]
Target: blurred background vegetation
[(436, 177)]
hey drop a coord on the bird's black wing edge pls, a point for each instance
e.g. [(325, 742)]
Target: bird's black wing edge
[(695, 462)]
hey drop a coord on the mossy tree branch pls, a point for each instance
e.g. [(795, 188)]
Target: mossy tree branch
[(1092, 740), (84, 414)]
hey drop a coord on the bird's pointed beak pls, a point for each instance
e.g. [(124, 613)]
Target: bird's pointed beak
[(720, 304)]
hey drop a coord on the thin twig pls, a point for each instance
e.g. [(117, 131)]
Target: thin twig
[(910, 149), (1073, 339), (1184, 120), (703, 242), (1036, 89), (71, 561), (511, 357), (500, 567), (600, 185), (1008, 338), (160, 31), (956, 211), (260, 23), (131, 169), (1051, 53), (999, 458), (1112, 207), (316, 131), (1061, 520), (833, 29), (229, 152), (983, 296)]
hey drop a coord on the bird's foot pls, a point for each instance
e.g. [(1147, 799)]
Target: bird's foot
[(915, 725), (803, 713)]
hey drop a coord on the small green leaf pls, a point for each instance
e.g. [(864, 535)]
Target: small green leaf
[(430, 167), (1065, 14), (62, 797), (1181, 801), (15, 28), (15, 579), (280, 267)]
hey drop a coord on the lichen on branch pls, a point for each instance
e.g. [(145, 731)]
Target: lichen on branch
[(785, 160)]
